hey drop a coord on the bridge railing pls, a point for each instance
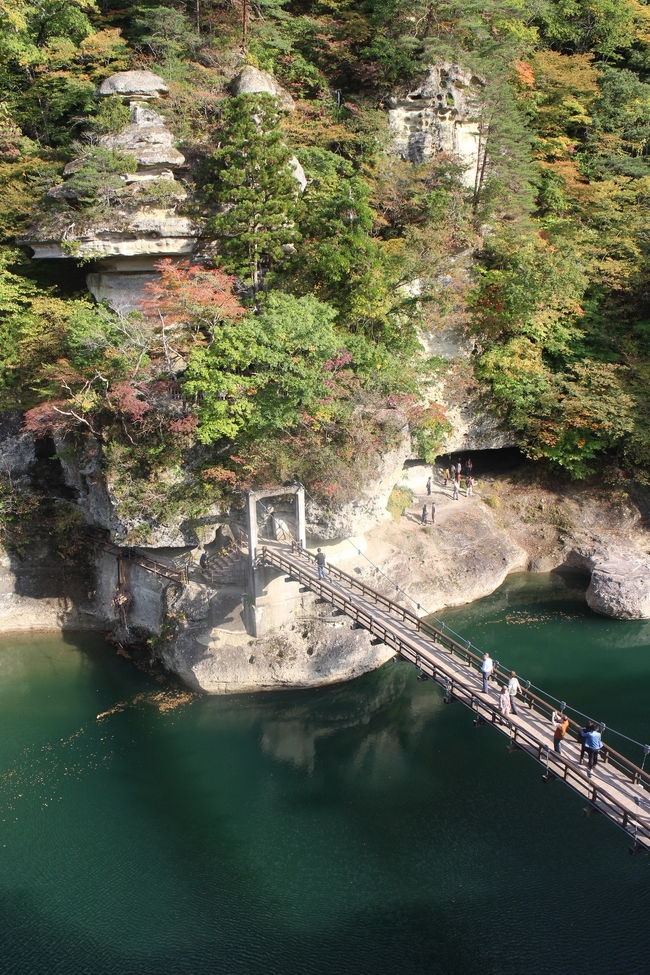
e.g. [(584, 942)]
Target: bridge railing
[(470, 657)]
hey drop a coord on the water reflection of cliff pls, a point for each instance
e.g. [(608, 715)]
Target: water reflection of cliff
[(381, 713)]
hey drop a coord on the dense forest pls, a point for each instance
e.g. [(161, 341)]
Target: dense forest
[(295, 334)]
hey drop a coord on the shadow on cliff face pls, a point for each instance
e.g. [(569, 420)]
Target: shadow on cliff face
[(47, 553)]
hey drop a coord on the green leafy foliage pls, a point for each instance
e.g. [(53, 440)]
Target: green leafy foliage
[(96, 180), (264, 371), (546, 252)]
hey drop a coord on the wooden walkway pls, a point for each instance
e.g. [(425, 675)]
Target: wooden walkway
[(618, 789)]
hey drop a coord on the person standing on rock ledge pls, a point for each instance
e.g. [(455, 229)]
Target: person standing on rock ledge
[(429, 485), (486, 670), (424, 517), (456, 494), (320, 564)]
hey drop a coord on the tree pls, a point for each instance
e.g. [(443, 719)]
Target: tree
[(251, 182), (192, 296), (263, 372), (97, 179), (603, 26), (504, 173), (163, 32)]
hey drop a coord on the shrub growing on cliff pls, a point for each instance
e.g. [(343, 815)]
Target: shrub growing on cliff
[(97, 182), (264, 371)]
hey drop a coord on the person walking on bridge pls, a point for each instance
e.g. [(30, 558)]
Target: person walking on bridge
[(593, 744), (514, 688), (560, 728), (504, 704), (486, 670), (320, 564)]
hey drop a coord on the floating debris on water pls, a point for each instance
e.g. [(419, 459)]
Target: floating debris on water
[(517, 619), (166, 700)]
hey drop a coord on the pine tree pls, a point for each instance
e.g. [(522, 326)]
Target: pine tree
[(254, 188)]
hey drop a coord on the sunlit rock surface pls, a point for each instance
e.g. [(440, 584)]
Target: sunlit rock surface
[(254, 81), (439, 116), (621, 589), (144, 84)]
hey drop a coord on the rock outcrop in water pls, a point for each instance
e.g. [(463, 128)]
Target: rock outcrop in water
[(621, 589)]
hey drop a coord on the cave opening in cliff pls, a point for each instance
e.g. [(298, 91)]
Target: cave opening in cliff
[(68, 276), (47, 473), (499, 460)]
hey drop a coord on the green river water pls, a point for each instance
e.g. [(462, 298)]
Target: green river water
[(364, 828)]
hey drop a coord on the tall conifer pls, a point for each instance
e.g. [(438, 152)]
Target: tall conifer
[(254, 188)]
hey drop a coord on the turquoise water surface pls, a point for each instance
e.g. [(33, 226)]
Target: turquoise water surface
[(364, 828)]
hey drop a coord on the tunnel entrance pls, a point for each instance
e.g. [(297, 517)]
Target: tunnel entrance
[(501, 460)]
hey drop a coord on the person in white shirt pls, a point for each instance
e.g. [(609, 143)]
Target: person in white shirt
[(514, 688), (486, 669)]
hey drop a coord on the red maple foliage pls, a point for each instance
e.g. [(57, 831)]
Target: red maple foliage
[(185, 425), (183, 289), (128, 399), (46, 418)]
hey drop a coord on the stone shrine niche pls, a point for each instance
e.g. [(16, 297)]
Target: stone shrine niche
[(441, 115), (124, 241)]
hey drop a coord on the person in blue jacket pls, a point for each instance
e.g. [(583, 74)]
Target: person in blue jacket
[(593, 744)]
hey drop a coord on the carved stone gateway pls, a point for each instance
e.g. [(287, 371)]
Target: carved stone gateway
[(279, 531)]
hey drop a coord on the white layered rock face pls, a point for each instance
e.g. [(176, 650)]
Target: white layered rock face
[(148, 140), (126, 242), (442, 116), (439, 116)]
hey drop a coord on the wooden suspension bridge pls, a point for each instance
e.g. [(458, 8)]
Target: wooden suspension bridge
[(618, 788)]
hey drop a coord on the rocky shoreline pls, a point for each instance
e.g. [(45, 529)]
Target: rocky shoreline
[(515, 521)]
